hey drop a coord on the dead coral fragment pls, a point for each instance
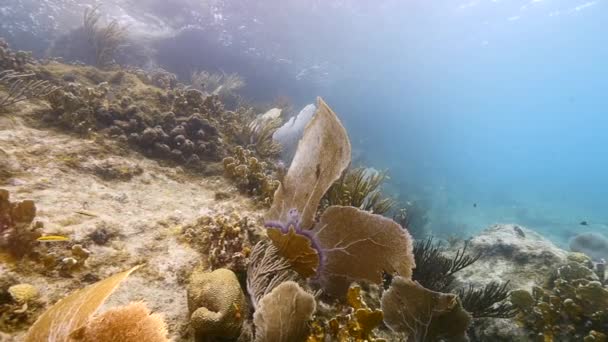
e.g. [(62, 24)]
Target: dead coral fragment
[(358, 245), (422, 314), (129, 323), (283, 314), (17, 233), (323, 154), (217, 304), (224, 238)]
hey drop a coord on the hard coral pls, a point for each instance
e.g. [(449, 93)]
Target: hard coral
[(217, 304), (356, 324), (251, 175), (18, 234), (225, 239), (573, 306)]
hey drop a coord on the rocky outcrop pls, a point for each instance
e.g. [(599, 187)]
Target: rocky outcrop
[(511, 253)]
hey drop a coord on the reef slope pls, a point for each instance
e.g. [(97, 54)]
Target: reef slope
[(95, 189)]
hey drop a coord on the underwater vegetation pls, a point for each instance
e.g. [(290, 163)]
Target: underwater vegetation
[(572, 306)]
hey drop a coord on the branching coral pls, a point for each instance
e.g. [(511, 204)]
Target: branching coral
[(573, 306), (225, 240), (105, 40), (359, 188), (251, 175), (22, 87), (18, 233)]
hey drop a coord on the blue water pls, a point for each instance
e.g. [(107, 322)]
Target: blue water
[(502, 104)]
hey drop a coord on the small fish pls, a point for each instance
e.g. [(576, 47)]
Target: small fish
[(584, 223), (474, 205), (53, 238)]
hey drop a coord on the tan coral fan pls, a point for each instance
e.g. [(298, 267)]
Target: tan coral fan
[(283, 314), (73, 311), (358, 245), (423, 314), (323, 154), (129, 323)]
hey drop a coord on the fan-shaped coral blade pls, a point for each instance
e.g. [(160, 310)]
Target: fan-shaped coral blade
[(71, 312), (423, 314), (296, 248), (358, 245), (323, 154), (283, 314)]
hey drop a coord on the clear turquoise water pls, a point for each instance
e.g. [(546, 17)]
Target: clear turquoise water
[(499, 103)]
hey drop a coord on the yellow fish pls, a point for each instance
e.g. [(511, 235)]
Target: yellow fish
[(53, 238)]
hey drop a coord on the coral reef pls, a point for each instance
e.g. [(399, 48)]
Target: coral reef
[(221, 84), (283, 314), (224, 239), (594, 245), (217, 304), (290, 133), (251, 175), (11, 60), (357, 322), (104, 40), (130, 323), (359, 188), (18, 233), (22, 87), (573, 306)]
